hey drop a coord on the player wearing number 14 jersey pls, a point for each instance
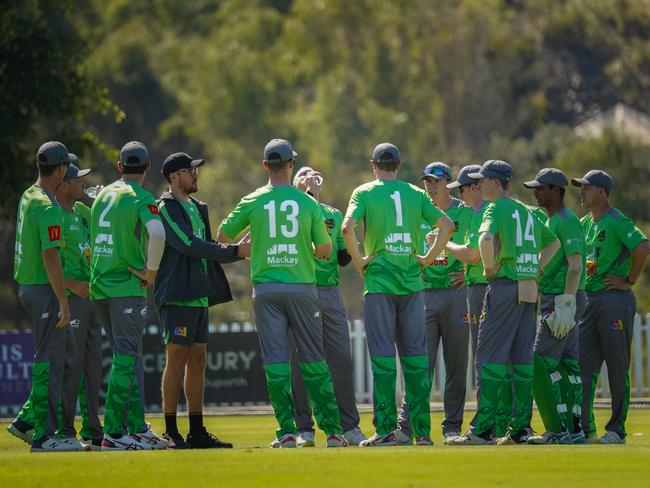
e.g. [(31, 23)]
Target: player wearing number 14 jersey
[(284, 222), (392, 212), (514, 246)]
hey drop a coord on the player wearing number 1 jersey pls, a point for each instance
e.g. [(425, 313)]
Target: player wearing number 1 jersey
[(122, 217), (392, 212), (284, 223), (514, 246)]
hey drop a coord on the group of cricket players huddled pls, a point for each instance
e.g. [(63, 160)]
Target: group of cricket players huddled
[(475, 271)]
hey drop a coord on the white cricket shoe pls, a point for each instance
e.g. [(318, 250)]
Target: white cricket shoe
[(305, 438), (286, 441), (611, 437), (74, 442), (402, 439), (448, 436), (122, 443), (150, 440), (470, 439), (377, 440), (52, 445), (354, 436), (551, 438), (336, 440)]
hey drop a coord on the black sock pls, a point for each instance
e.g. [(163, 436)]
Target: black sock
[(196, 422), (170, 423)]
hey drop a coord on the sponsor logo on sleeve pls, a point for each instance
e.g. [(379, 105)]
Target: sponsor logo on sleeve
[(153, 209), (54, 233)]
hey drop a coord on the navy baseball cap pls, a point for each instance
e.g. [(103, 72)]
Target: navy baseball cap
[(134, 154), (463, 176), (278, 151), (595, 177), (438, 171), (73, 171), (386, 153), (494, 168), (548, 176), (52, 153), (178, 161)]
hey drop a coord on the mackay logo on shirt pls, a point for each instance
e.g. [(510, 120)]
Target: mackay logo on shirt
[(394, 243), (54, 233), (282, 255)]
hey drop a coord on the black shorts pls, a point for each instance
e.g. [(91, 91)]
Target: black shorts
[(184, 325)]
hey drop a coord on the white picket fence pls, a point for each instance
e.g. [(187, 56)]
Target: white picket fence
[(639, 378)]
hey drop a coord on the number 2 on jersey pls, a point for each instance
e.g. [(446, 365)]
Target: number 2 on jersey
[(288, 207), (110, 198)]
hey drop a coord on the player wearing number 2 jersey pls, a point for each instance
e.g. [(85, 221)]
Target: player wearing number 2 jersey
[(122, 217), (392, 212), (284, 222), (514, 246)]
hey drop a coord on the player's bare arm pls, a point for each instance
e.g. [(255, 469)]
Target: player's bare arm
[(79, 288), (52, 263), (486, 249), (352, 245), (466, 254), (639, 258), (573, 273), (445, 228)]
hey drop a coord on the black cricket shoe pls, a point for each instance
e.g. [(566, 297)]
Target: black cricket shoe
[(22, 430), (205, 440), (175, 440)]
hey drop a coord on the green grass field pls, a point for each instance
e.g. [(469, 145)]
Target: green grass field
[(252, 463)]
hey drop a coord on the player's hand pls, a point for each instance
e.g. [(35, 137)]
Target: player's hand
[(431, 237), (146, 276), (492, 272), (64, 314), (457, 279), (422, 260), (363, 264), (244, 244), (314, 181), (79, 288), (615, 283)]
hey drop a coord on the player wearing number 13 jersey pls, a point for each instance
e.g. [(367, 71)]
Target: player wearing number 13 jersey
[(284, 222), (514, 247), (392, 212), (123, 216)]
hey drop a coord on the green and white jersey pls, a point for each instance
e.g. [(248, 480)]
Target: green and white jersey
[(75, 245), (519, 238), (392, 212), (38, 227), (609, 243), (474, 273), (283, 222), (437, 275), (327, 270), (118, 238), (198, 229), (566, 226)]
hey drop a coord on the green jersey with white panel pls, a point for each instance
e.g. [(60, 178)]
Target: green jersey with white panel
[(392, 212), (283, 222), (118, 238), (519, 238), (327, 270)]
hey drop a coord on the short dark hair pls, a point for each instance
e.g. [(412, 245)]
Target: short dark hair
[(562, 190), (504, 184), (392, 167), (47, 170), (275, 167), (134, 170)]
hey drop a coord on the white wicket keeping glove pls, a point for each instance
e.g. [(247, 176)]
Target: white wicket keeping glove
[(565, 311)]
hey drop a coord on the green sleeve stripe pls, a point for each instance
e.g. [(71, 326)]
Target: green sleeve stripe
[(181, 235)]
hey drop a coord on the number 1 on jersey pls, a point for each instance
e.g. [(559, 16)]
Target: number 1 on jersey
[(289, 206), (398, 208), (528, 232)]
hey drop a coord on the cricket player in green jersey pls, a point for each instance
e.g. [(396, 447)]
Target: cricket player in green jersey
[(189, 281), (124, 217), (557, 387), (392, 212), (446, 304), (41, 290), (85, 374), (468, 252), (514, 247), (287, 230), (336, 334), (616, 253)]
